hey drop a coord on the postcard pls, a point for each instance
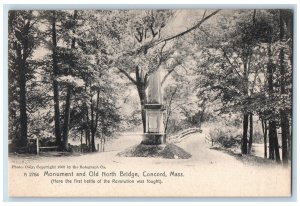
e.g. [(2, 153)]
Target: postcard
[(150, 103)]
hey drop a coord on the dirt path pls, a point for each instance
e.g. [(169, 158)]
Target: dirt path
[(201, 152)]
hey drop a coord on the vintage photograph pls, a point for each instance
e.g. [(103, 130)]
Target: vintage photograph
[(150, 103)]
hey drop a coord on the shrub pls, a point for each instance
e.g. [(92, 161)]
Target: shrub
[(224, 138), (226, 132)]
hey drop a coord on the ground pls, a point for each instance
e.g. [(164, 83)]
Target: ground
[(208, 172)]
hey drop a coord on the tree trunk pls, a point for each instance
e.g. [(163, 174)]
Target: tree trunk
[(251, 133), (67, 120), (92, 146), (12, 122), (104, 140), (284, 121), (22, 98), (55, 84), (81, 134), (245, 131), (143, 113), (94, 122), (86, 121), (142, 93), (166, 124), (87, 127), (276, 146), (93, 143), (289, 19), (141, 87), (286, 16), (68, 99), (246, 114), (271, 140), (272, 123), (203, 106), (265, 131)]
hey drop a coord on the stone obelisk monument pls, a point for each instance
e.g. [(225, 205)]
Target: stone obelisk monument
[(154, 110), (153, 143)]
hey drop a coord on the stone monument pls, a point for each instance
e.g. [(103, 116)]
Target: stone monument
[(154, 111), (153, 143)]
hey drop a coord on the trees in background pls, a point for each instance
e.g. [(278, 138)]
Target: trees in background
[(246, 67), (69, 71)]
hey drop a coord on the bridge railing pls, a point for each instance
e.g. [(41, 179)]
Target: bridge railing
[(180, 136)]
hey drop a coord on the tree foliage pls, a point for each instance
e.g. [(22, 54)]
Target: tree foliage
[(73, 71)]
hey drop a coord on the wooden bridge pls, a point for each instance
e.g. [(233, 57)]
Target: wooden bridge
[(181, 136)]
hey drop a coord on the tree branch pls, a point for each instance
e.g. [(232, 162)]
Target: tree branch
[(127, 75), (161, 56), (170, 71), (166, 76), (190, 29), (172, 96), (228, 60), (254, 81), (169, 111), (204, 13), (146, 47)]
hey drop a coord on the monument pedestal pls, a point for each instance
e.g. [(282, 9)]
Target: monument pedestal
[(153, 139), (154, 134)]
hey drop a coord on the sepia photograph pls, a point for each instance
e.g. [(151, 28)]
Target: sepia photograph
[(150, 102)]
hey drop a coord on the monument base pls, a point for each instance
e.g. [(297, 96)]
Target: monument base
[(167, 151), (153, 139)]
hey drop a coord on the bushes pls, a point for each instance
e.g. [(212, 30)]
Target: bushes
[(229, 141), (225, 132), (224, 137)]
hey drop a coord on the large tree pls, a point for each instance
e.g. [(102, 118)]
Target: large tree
[(285, 55), (146, 46), (21, 44)]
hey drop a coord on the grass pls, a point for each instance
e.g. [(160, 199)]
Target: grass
[(246, 159), (168, 151)]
